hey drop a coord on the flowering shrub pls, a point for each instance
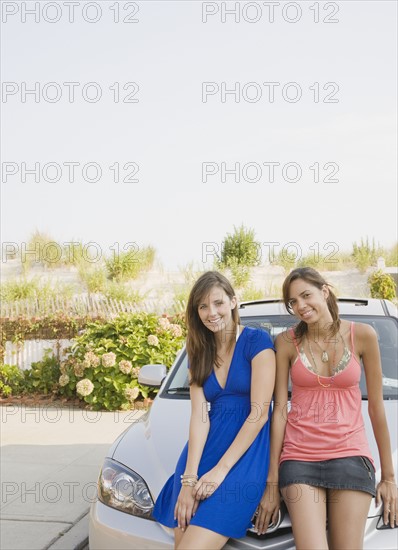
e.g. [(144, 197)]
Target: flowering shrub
[(105, 360), (382, 285)]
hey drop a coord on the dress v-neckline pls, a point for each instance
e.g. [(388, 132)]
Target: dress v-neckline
[(347, 354), (230, 364)]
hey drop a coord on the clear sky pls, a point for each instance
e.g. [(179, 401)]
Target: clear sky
[(329, 120)]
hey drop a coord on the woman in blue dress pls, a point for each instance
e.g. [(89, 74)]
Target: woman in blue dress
[(222, 471)]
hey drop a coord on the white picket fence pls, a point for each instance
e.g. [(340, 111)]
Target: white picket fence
[(29, 351), (25, 353), (91, 305)]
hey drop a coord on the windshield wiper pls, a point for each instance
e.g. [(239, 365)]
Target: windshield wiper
[(181, 389)]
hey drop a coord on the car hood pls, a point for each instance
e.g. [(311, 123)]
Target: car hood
[(152, 445)]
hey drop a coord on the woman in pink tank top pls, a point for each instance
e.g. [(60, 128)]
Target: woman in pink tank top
[(320, 456)]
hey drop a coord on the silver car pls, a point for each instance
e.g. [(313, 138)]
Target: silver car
[(144, 456)]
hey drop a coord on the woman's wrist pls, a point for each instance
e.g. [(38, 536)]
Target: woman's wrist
[(223, 468), (272, 479), (388, 477), (189, 480), (273, 474), (387, 481)]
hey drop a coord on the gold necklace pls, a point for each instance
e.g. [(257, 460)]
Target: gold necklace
[(316, 366)]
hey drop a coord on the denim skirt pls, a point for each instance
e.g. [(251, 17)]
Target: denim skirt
[(355, 473)]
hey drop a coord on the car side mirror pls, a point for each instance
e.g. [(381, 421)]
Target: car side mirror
[(152, 375)]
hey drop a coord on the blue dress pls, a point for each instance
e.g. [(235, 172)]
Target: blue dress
[(229, 509)]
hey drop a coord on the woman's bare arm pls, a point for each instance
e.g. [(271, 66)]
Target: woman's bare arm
[(198, 431), (368, 349), (270, 502)]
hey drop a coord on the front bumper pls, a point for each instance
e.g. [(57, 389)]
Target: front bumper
[(110, 529)]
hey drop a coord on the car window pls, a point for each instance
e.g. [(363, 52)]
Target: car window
[(387, 333)]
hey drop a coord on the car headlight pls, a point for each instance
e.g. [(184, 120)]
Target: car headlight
[(123, 489)]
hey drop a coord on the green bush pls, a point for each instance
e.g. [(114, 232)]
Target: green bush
[(93, 279), (365, 254), (105, 360), (77, 254), (19, 289), (117, 291), (48, 252), (240, 274), (125, 266), (240, 249), (43, 375), (24, 289), (11, 380), (382, 285)]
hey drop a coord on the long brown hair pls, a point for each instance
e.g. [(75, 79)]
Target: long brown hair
[(314, 278), (201, 343)]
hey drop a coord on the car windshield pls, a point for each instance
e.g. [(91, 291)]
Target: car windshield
[(385, 327)]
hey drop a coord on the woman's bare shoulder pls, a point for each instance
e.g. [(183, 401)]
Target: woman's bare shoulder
[(284, 342), (364, 331)]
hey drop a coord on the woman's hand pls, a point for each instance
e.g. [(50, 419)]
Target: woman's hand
[(267, 511), (208, 483), (185, 507), (387, 492)]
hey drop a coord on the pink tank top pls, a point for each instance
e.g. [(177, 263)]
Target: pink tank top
[(325, 421)]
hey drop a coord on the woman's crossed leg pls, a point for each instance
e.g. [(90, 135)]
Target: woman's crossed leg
[(198, 538)]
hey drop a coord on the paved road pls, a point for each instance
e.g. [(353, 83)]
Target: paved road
[(50, 460)]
